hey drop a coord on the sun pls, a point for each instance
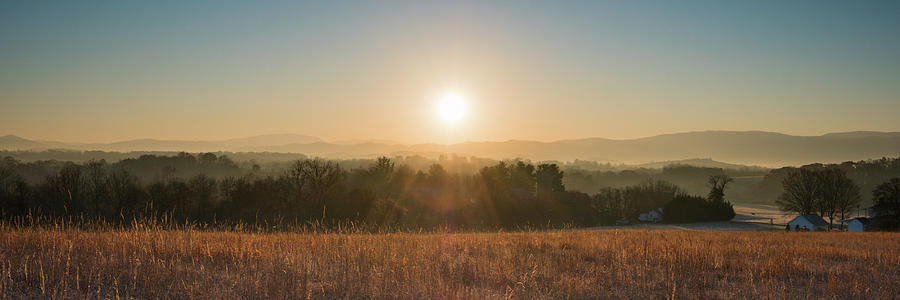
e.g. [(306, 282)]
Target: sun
[(451, 108)]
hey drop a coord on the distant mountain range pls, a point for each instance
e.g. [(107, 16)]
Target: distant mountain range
[(12, 142), (743, 147)]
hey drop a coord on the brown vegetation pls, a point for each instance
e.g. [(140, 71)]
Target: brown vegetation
[(567, 264)]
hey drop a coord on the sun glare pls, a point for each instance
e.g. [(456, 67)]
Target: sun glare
[(451, 108)]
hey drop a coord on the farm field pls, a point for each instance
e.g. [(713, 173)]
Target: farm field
[(530, 265)]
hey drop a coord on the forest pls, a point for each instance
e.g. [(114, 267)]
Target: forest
[(401, 192), (581, 175), (207, 188)]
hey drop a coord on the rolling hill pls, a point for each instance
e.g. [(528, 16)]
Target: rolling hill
[(742, 147)]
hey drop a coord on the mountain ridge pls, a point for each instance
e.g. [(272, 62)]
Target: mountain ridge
[(747, 147)]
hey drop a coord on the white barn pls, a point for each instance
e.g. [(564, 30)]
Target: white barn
[(808, 223), (857, 224)]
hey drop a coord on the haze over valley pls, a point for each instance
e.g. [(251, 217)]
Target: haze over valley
[(741, 147)]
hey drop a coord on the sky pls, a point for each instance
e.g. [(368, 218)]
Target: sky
[(104, 71)]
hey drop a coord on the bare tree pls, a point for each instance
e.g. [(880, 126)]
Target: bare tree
[(802, 190), (382, 172), (717, 184), (839, 193), (124, 189), (298, 185), (315, 178), (97, 192)]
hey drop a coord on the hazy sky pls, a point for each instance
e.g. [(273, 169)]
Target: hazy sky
[(113, 70)]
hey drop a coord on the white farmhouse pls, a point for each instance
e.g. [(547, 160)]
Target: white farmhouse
[(808, 223)]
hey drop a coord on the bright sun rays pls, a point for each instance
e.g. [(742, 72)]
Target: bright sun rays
[(452, 108)]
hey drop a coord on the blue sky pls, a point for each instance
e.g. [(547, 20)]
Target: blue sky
[(113, 70)]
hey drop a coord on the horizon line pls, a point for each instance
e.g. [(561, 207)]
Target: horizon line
[(357, 141)]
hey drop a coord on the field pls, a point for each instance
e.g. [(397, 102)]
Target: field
[(567, 264)]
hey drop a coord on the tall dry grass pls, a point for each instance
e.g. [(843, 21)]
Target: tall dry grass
[(153, 263)]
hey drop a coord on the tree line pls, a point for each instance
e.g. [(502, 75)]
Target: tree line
[(829, 192), (504, 195), (866, 174)]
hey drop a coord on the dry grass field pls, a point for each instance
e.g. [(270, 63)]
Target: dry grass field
[(582, 264)]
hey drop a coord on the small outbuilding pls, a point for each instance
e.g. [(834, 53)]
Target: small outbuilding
[(857, 224), (654, 216), (808, 223)]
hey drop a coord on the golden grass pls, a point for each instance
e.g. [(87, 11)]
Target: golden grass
[(569, 264)]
